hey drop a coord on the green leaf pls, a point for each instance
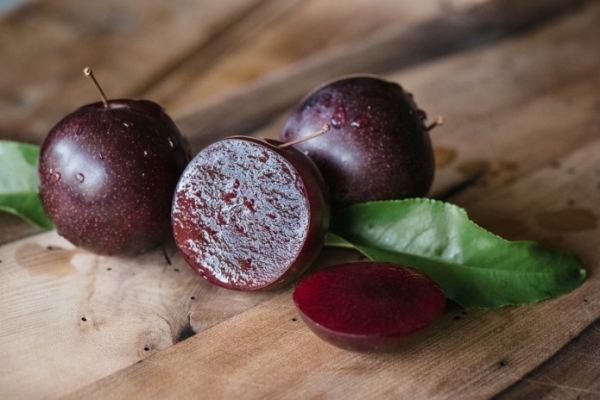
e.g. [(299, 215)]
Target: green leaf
[(19, 182), (474, 267)]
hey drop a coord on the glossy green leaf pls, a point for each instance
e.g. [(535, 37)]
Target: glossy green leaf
[(19, 182), (474, 267)]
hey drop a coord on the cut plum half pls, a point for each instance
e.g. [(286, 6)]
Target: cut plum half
[(368, 306), (249, 215)]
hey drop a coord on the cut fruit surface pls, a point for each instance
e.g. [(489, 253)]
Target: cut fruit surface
[(248, 215), (367, 306)]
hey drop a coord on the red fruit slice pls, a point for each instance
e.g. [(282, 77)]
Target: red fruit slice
[(367, 306), (248, 215)]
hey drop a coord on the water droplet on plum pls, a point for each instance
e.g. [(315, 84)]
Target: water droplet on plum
[(80, 177), (57, 176), (338, 118)]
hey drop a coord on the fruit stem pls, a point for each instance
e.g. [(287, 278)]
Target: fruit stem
[(438, 121), (87, 71), (323, 130)]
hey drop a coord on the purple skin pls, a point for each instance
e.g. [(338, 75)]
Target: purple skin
[(107, 176), (378, 147), (248, 215), (368, 306)]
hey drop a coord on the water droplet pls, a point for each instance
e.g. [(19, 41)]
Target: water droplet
[(236, 184), (306, 152), (148, 153), (171, 142), (51, 171), (80, 177), (57, 176), (361, 121), (339, 117), (101, 156), (128, 124)]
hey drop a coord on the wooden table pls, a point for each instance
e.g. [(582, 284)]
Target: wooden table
[(519, 86)]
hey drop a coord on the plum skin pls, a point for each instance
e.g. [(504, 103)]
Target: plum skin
[(107, 176), (378, 148), (368, 306), (227, 271)]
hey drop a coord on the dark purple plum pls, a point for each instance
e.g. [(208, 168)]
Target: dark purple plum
[(368, 306), (108, 173), (378, 148), (250, 215)]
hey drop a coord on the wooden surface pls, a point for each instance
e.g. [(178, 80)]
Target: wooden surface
[(519, 88)]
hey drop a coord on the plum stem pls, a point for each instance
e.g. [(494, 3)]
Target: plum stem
[(87, 71), (438, 121), (323, 130)]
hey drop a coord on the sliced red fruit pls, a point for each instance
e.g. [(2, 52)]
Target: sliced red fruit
[(368, 306), (249, 215)]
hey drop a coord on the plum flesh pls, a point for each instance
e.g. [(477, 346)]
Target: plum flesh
[(378, 148), (368, 306), (248, 215)]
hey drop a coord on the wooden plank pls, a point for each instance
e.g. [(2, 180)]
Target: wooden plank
[(46, 290), (513, 106), (265, 352), (555, 377), (279, 37), (70, 317), (390, 48), (129, 41)]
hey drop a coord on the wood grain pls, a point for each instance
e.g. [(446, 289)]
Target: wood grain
[(60, 303), (268, 354), (555, 377), (127, 44), (387, 49), (280, 35), (522, 118)]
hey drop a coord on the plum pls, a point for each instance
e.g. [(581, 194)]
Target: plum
[(368, 306), (250, 215), (108, 173), (379, 147)]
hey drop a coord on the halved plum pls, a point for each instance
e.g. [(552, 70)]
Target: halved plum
[(368, 306), (249, 215)]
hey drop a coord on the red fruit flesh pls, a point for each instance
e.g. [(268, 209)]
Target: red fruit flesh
[(368, 306), (248, 215)]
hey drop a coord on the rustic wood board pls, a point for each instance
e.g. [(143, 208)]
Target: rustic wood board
[(113, 327)]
